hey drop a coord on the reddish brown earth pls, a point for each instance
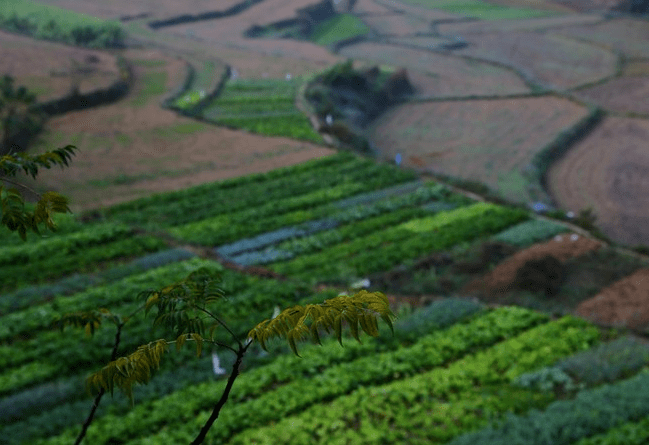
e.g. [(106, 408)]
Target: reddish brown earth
[(134, 147), (491, 141), (441, 75), (541, 23), (500, 280), (623, 304), (623, 94), (550, 59), (397, 24), (45, 68), (608, 171)]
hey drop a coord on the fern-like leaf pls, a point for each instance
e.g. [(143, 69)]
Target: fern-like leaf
[(124, 372), (362, 310), (89, 320)]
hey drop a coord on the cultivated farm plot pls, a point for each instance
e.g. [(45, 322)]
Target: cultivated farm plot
[(626, 94), (491, 141), (538, 24), (608, 170), (623, 34), (423, 42), (134, 147), (551, 60), (51, 69), (397, 24), (443, 76), (481, 10), (154, 9)]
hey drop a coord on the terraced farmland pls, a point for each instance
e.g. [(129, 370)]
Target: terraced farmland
[(450, 370), (493, 141)]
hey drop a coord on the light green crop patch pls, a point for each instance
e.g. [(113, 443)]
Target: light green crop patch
[(431, 223)]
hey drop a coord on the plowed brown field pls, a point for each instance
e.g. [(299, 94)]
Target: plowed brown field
[(444, 76), (491, 141), (550, 59), (624, 94), (397, 24), (624, 34), (134, 147), (609, 171), (46, 68), (623, 304), (465, 28)]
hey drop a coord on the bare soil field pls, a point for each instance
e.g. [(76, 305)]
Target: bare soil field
[(491, 141), (422, 42), (156, 9), (550, 59), (623, 94), (427, 14), (540, 23), (623, 34), (445, 76), (135, 147), (397, 24), (48, 69), (623, 304), (534, 4), (608, 171)]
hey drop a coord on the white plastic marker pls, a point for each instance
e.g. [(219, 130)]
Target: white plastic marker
[(397, 159)]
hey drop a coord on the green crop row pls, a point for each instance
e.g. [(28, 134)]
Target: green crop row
[(530, 232), (435, 348), (39, 317), (75, 259), (196, 203), (381, 251), (295, 126), (290, 210), (250, 108), (434, 406), (52, 23), (55, 401), (566, 421), (630, 433)]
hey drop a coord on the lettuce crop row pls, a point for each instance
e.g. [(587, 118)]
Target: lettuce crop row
[(295, 126), (434, 406), (381, 251), (438, 347), (366, 208)]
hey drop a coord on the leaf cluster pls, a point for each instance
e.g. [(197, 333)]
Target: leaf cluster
[(88, 320), (182, 306), (358, 310), (15, 215)]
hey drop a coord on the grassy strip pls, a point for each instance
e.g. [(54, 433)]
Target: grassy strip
[(52, 23), (438, 347), (339, 27), (481, 10), (295, 126), (381, 251), (530, 232), (212, 199)]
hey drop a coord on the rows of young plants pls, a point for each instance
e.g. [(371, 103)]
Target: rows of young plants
[(80, 251), (271, 391), (263, 106), (58, 406), (294, 209), (435, 405), (380, 251), (219, 198), (51, 23)]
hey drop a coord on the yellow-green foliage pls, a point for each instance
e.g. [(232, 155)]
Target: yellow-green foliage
[(361, 309)]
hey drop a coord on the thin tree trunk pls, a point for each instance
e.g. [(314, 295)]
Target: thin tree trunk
[(95, 404), (224, 397)]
